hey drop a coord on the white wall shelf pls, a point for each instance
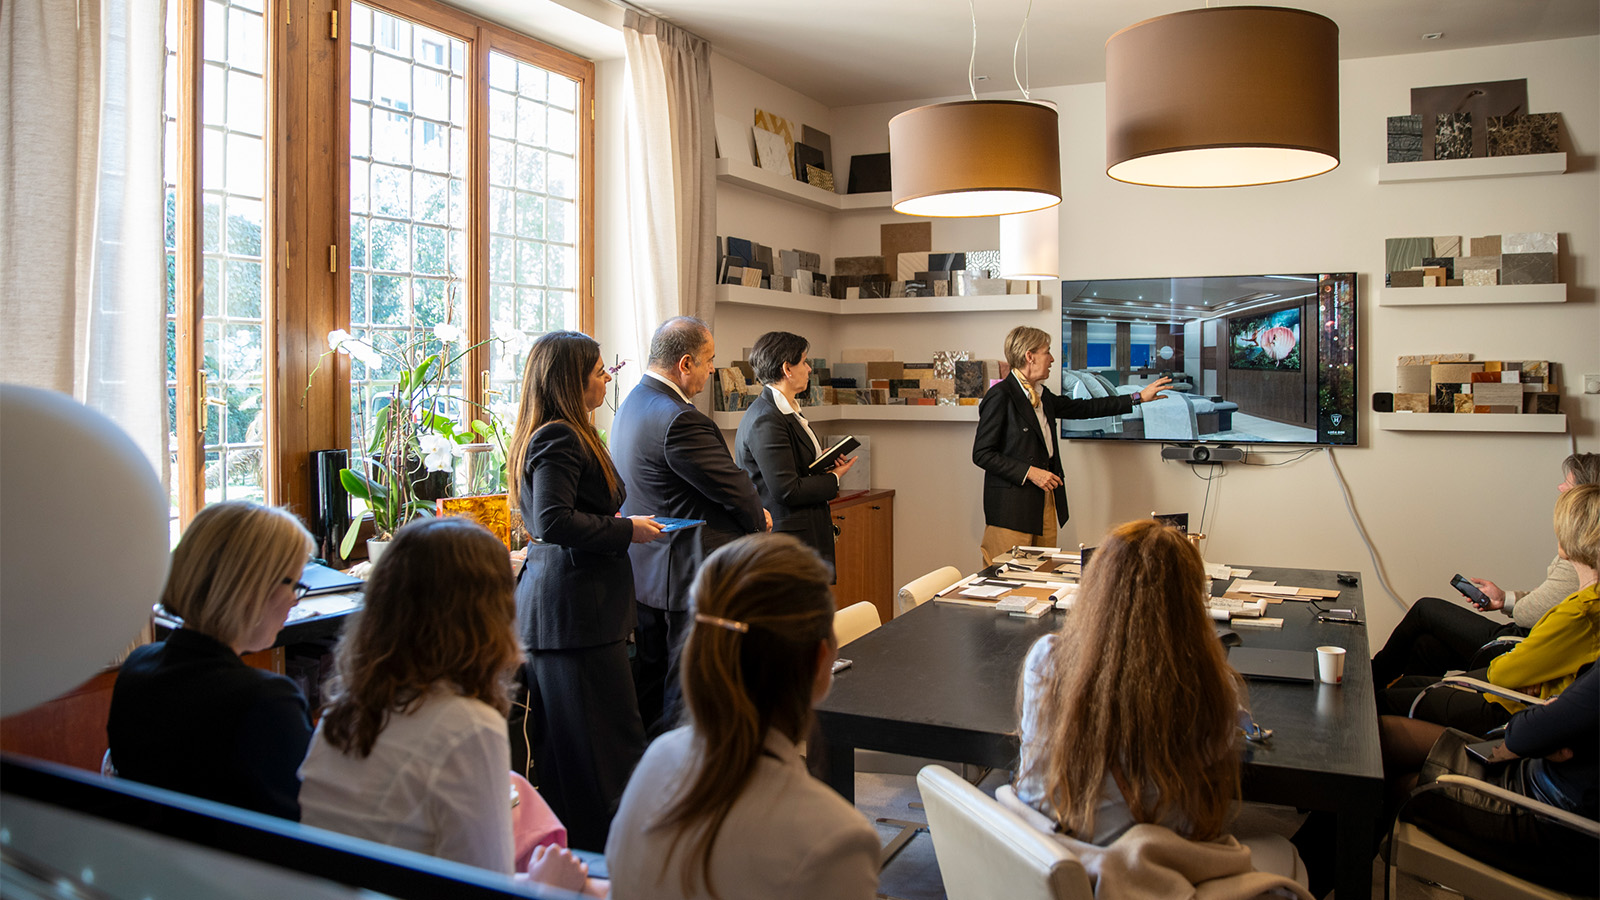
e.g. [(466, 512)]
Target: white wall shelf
[(1528, 423), (848, 413), (1477, 294), (1481, 167), (739, 295), (774, 184)]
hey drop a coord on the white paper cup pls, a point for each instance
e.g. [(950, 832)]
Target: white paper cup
[(1330, 665)]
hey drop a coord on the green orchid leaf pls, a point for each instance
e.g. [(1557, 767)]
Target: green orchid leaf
[(349, 542)]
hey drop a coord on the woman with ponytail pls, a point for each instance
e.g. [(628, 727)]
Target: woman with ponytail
[(724, 807), (575, 597)]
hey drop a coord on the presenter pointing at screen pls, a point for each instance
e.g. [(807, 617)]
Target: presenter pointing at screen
[(1016, 445)]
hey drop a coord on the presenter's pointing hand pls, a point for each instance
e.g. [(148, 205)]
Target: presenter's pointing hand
[(1042, 479), (645, 529), (1154, 389), (769, 519)]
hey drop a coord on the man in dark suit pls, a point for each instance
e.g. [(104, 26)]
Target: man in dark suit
[(674, 461), (1024, 499)]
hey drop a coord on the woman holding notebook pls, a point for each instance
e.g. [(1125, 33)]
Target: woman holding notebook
[(776, 445)]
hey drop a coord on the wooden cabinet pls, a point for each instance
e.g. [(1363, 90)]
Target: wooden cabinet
[(863, 550)]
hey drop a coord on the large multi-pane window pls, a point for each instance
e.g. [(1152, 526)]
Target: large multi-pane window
[(219, 450), (533, 210), (465, 201)]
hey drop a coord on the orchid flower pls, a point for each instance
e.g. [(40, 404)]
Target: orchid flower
[(437, 452)]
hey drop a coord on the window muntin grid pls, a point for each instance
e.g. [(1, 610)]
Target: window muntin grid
[(408, 197), (533, 213)]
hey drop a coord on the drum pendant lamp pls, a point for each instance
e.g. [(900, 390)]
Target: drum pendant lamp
[(1223, 97), (975, 158), (1030, 245)]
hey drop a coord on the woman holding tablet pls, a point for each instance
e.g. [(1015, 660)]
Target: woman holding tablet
[(776, 445)]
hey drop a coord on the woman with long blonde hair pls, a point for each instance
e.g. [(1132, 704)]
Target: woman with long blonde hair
[(1130, 712), (724, 807), (575, 597), (187, 714), (412, 749)]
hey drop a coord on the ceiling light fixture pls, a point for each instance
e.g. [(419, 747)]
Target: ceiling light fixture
[(1223, 97), (1030, 245), (976, 157)]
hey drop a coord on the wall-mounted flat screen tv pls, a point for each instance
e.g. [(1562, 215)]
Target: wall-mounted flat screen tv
[(1255, 359)]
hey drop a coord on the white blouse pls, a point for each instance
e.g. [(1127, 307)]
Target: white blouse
[(437, 781)]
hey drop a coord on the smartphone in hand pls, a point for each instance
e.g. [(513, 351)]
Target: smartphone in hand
[(1470, 591)]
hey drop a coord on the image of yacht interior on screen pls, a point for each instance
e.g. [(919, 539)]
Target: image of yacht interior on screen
[(1254, 359)]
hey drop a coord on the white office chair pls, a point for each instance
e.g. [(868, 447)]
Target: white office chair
[(854, 621), (920, 591), (988, 852)]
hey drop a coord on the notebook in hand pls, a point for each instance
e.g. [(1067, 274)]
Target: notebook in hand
[(831, 455)]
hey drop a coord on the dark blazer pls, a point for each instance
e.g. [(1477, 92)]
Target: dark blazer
[(577, 587), (774, 450), (188, 715), (1008, 442), (677, 464)]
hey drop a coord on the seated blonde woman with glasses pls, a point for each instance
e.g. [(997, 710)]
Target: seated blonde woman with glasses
[(187, 714)]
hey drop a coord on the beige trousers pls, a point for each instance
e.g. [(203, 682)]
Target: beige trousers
[(997, 540)]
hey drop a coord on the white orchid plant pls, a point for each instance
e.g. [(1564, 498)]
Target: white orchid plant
[(413, 435)]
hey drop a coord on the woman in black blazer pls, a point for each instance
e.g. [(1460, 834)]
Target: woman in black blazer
[(575, 594), (775, 444), (1016, 445), (187, 714)]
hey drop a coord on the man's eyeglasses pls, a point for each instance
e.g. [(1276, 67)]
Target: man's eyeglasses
[(301, 589)]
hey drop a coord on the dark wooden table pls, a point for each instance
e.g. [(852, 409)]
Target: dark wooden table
[(941, 682)]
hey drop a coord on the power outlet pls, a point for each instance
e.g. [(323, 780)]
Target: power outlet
[(1591, 384)]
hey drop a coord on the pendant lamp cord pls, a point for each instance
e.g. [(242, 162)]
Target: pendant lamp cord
[(972, 60), (1022, 42)]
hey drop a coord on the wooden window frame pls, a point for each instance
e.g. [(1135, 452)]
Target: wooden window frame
[(308, 223)]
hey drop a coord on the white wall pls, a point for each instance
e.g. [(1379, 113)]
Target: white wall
[(1433, 504)]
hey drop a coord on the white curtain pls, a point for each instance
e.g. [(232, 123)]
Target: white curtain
[(82, 262), (669, 134)]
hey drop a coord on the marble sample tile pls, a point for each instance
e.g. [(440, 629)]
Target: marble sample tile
[(1487, 376), (915, 288), (989, 287), (1428, 359), (1446, 263), (1488, 245), (1461, 403), (781, 127), (943, 387), (853, 292), (1480, 277), (858, 265), (896, 238), (1407, 279), (897, 385), (872, 397), (1535, 370), (1542, 403), (1496, 410), (1463, 263), (947, 262), (777, 282), (1417, 403), (1510, 377), (1453, 373), (810, 260), (885, 369), (763, 260), (1452, 136), (1406, 253), (844, 396), (970, 380), (909, 264), (983, 263), (941, 288), (944, 362), (932, 276), (1529, 242), (969, 401), (1405, 138), (839, 286), (874, 286), (801, 282), (919, 371), (773, 153), (819, 286), (1493, 365), (1521, 135), (1447, 246), (1528, 268), (1497, 395), (788, 261)]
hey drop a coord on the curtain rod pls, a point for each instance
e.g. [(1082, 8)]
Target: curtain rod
[(625, 4)]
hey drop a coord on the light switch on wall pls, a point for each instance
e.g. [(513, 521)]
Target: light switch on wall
[(1591, 384)]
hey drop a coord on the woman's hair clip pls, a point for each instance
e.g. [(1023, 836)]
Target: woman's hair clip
[(720, 622)]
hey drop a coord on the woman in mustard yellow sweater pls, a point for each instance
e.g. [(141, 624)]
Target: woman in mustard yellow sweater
[(1564, 640)]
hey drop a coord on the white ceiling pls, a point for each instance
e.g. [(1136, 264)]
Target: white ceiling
[(848, 52)]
